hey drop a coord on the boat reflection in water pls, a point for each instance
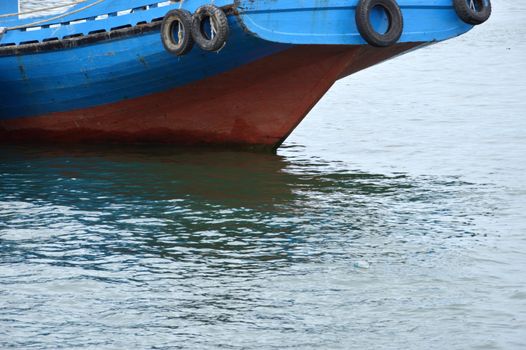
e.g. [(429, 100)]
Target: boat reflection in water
[(199, 204), (185, 245)]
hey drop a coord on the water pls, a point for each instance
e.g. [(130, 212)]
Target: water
[(392, 218)]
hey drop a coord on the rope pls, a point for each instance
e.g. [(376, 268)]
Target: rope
[(54, 18), (42, 9)]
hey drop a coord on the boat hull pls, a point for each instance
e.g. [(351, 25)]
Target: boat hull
[(103, 75), (256, 105)]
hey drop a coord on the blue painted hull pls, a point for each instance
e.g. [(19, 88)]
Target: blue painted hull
[(112, 71), (39, 80)]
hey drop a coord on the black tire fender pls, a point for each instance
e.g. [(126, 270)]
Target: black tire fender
[(473, 11), (366, 29), (219, 23), (176, 32)]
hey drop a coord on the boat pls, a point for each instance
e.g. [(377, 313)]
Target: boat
[(225, 73)]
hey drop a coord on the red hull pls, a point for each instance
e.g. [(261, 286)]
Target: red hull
[(256, 105)]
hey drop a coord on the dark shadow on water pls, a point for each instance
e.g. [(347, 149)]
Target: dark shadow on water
[(236, 179), (228, 210)]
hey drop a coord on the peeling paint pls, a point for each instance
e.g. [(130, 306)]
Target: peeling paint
[(143, 61), (22, 69)]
